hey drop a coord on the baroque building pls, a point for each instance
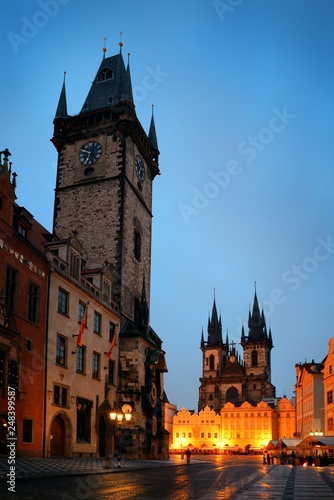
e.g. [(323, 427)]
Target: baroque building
[(105, 172), (226, 376), (23, 304)]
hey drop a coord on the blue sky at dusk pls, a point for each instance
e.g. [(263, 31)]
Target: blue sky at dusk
[(244, 107)]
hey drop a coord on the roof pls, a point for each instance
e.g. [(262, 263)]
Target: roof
[(109, 86)]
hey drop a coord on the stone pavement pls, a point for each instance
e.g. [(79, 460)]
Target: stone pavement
[(44, 467), (283, 482)]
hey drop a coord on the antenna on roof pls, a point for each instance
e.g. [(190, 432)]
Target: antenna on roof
[(104, 50), (120, 42)]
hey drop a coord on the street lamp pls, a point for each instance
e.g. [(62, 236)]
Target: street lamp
[(118, 417)]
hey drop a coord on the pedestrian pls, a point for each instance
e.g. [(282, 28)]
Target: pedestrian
[(188, 454)]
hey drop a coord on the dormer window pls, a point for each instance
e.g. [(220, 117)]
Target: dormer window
[(23, 231), (105, 74), (110, 99)]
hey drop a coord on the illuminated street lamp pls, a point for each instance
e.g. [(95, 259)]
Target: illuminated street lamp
[(118, 417)]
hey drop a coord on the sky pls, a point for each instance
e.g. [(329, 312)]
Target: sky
[(243, 105)]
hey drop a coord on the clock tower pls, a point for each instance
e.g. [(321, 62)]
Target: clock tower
[(106, 167)]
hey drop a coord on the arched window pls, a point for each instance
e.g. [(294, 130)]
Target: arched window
[(254, 358), (211, 362), (105, 74)]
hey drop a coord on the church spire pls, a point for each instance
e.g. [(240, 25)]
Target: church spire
[(61, 111), (214, 327), (127, 85), (152, 132)]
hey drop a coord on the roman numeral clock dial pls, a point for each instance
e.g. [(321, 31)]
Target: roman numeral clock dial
[(90, 153), (140, 169)]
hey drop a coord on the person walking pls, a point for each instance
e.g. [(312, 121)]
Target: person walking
[(188, 454)]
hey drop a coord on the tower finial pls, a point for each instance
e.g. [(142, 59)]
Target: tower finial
[(120, 42), (104, 50)]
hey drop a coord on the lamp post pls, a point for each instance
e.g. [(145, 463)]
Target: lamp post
[(118, 418)]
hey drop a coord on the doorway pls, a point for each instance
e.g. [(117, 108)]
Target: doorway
[(57, 441)]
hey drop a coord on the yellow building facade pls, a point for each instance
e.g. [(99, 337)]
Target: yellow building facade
[(237, 428)]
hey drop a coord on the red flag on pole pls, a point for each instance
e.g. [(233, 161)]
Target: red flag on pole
[(82, 326), (112, 345)]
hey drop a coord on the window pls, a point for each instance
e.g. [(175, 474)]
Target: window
[(106, 290), (12, 283), (111, 371), (9, 371), (27, 430), (29, 345), (62, 301), (13, 374), (23, 231), (111, 330), (83, 420), (75, 265), (97, 322), (137, 245), (80, 359), (105, 74), (61, 350), (81, 311), (96, 365), (211, 362), (329, 397), (330, 424), (33, 302), (60, 395), (254, 358)]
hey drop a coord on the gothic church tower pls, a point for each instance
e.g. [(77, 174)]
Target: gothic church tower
[(226, 377)]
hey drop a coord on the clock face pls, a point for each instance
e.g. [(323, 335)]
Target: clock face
[(232, 358), (140, 169), (90, 153), (153, 395)]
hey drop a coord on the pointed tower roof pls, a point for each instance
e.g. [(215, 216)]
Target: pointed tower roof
[(61, 111), (108, 84), (152, 132), (256, 323), (127, 85), (214, 327)]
